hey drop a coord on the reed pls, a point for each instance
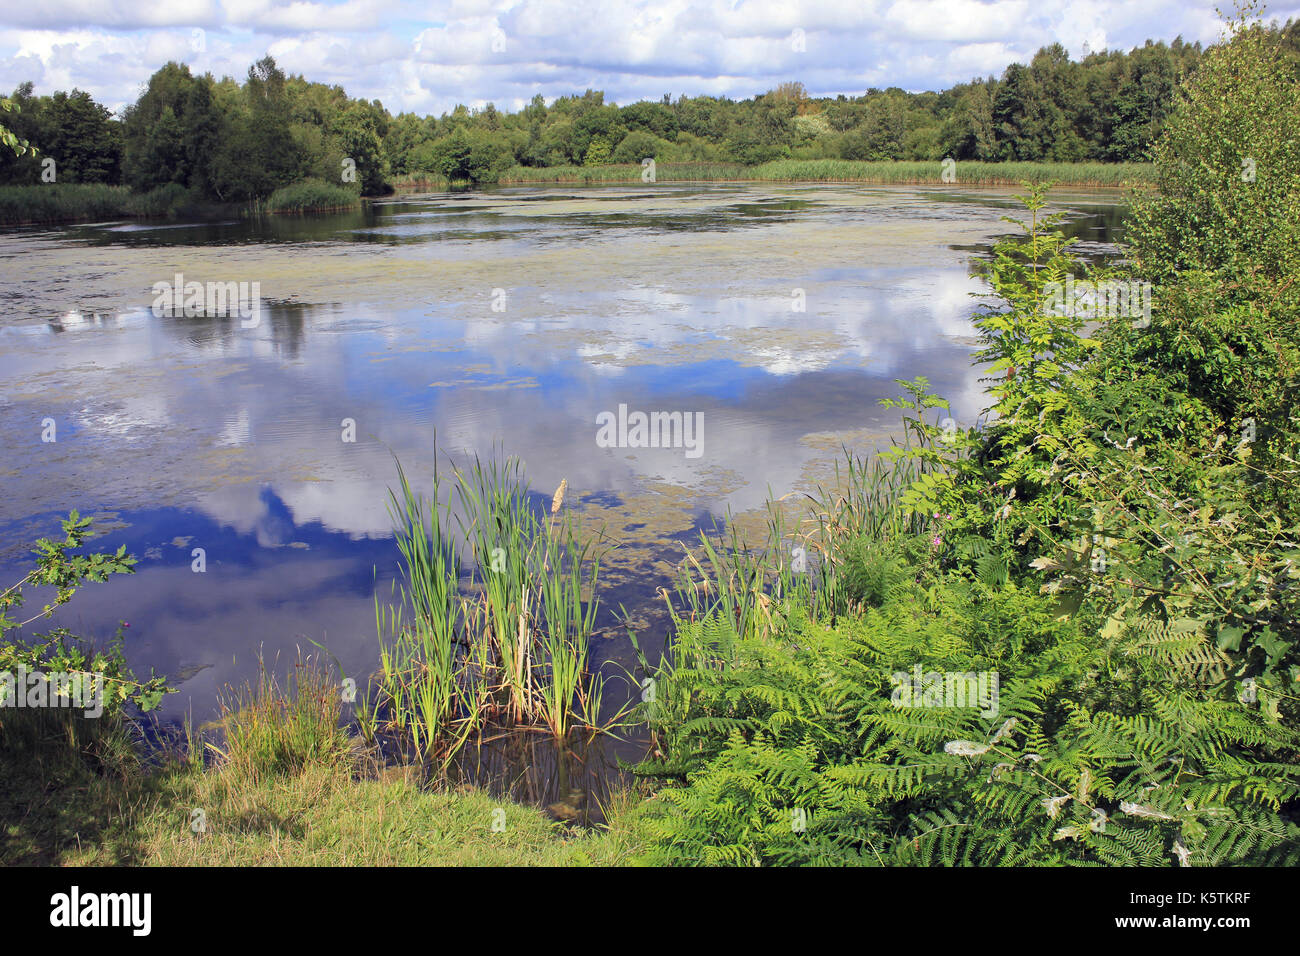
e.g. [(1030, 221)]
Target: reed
[(751, 585), (500, 527), (311, 195), (509, 643), (966, 172), (900, 172), (566, 639), (61, 202)]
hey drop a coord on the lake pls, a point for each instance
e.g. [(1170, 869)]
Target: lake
[(473, 323)]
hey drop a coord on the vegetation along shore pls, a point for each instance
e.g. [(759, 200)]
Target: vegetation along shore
[(1117, 543)]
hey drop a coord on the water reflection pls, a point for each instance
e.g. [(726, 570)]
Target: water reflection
[(782, 315)]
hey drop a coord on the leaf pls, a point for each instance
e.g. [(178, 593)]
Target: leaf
[(1229, 638)]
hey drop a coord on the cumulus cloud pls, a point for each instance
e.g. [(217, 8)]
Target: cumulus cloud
[(427, 57)]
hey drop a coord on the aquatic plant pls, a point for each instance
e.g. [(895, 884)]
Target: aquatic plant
[(510, 643), (311, 195), (901, 172)]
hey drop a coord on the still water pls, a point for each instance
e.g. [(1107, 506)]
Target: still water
[(468, 323)]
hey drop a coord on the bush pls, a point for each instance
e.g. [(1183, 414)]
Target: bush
[(311, 195), (1118, 545), (90, 731)]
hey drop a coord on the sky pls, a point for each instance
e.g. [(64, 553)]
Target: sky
[(426, 57)]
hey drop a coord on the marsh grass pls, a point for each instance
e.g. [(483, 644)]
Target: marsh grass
[(505, 642), (272, 728), (61, 202), (311, 195), (320, 815), (968, 173), (747, 583), (565, 694)]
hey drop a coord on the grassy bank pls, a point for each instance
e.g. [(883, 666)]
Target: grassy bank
[(87, 202), (286, 786), (845, 171), (316, 816), (280, 779)]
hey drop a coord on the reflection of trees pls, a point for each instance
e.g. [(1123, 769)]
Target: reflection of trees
[(313, 228), (75, 320), (285, 321)]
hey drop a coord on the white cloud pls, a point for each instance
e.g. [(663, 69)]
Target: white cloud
[(427, 57)]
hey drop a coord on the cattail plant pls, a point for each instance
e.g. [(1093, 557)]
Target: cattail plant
[(509, 644)]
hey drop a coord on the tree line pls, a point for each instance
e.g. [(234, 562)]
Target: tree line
[(230, 142)]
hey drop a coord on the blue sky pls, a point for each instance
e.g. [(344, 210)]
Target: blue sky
[(427, 57)]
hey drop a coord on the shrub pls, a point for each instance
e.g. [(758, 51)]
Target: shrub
[(311, 195)]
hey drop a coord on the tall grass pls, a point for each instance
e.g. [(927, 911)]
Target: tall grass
[(500, 527), (311, 195), (416, 182), (747, 584), (624, 173), (61, 202), (510, 644), (968, 173), (72, 202), (570, 621), (272, 729)]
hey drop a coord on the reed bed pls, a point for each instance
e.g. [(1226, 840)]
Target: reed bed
[(311, 195), (746, 584), (502, 643), (72, 202), (968, 173), (420, 182), (625, 173), (61, 202)]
